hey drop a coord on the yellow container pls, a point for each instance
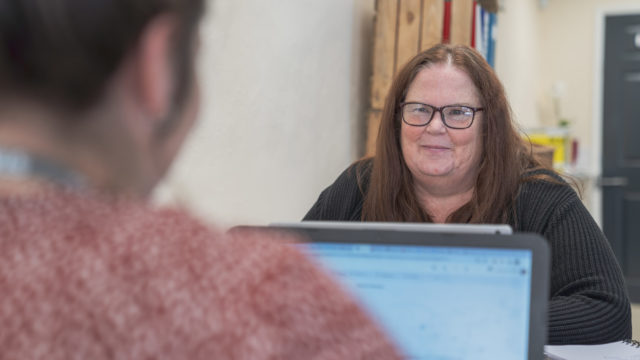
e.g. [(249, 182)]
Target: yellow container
[(555, 139)]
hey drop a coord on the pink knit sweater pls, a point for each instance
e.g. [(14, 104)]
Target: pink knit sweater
[(86, 278)]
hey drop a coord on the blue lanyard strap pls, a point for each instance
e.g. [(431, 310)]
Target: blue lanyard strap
[(21, 164)]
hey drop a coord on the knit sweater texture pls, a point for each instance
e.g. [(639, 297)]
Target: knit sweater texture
[(84, 277), (588, 301)]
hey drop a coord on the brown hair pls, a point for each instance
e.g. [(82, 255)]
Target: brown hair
[(64, 51), (505, 157)]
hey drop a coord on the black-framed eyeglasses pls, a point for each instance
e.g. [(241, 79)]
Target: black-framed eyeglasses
[(453, 116)]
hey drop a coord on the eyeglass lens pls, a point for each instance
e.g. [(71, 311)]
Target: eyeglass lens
[(453, 116)]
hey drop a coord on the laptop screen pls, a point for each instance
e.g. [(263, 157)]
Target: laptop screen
[(439, 302)]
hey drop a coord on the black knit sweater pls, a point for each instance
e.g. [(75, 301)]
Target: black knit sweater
[(588, 301)]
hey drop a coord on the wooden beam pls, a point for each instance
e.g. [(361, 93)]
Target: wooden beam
[(432, 22), (383, 51), (461, 19), (373, 125), (408, 31)]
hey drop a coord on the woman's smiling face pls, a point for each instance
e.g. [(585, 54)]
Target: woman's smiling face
[(434, 152)]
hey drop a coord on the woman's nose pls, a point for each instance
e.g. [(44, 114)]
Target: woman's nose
[(436, 125)]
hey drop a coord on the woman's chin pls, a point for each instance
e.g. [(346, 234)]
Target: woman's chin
[(431, 171)]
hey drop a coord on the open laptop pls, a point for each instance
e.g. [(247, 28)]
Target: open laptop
[(442, 295), (423, 227)]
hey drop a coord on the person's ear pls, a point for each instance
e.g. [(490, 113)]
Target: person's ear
[(154, 65)]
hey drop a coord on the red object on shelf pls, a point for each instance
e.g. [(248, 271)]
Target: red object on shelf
[(473, 25), (446, 27)]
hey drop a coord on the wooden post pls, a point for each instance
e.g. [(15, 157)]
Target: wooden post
[(383, 51), (461, 20), (409, 19), (373, 124), (432, 22)]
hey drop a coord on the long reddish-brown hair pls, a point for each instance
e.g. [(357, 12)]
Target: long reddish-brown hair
[(505, 157)]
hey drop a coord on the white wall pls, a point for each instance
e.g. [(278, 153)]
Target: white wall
[(517, 57), (284, 87)]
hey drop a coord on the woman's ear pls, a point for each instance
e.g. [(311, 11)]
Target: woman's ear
[(155, 80)]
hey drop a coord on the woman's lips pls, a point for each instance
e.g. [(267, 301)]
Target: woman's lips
[(435, 147)]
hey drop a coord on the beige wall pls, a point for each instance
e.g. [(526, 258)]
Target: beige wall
[(517, 60), (283, 90)]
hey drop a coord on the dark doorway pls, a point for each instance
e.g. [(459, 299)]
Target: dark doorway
[(621, 145)]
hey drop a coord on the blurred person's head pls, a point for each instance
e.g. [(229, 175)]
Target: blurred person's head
[(106, 88), (487, 154)]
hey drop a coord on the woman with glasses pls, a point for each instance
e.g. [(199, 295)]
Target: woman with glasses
[(448, 152)]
